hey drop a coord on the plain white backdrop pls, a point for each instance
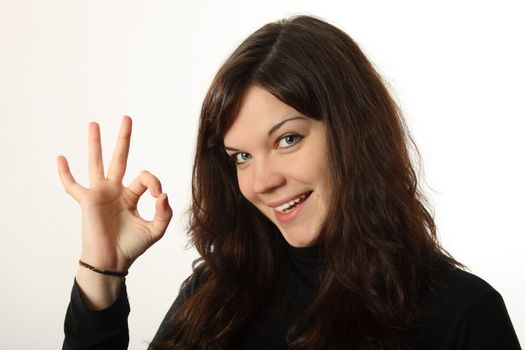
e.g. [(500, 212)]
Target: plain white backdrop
[(456, 68)]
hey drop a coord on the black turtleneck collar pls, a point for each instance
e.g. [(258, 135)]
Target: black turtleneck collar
[(308, 256)]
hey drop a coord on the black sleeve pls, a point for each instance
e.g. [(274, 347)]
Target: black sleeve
[(486, 325), (104, 329)]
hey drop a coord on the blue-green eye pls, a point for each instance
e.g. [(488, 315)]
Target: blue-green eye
[(241, 157), (289, 140)]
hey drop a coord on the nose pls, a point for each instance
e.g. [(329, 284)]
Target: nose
[(267, 176)]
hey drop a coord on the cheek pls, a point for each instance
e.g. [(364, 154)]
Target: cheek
[(244, 185), (311, 167)]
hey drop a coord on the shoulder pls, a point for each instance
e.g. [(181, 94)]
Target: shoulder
[(187, 289), (189, 286), (463, 311), (455, 293), (460, 289)]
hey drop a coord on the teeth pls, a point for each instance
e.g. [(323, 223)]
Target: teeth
[(283, 207)]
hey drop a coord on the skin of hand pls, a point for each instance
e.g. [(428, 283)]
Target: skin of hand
[(114, 235)]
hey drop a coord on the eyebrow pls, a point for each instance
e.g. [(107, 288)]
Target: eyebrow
[(278, 125), (271, 131)]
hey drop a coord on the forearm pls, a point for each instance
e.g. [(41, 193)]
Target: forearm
[(101, 329)]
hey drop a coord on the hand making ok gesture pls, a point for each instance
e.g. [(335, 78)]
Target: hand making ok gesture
[(113, 233)]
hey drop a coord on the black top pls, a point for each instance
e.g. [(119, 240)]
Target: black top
[(468, 314)]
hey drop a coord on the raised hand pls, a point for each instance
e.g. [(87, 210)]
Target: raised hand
[(113, 233)]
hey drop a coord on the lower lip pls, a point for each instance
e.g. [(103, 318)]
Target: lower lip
[(285, 217)]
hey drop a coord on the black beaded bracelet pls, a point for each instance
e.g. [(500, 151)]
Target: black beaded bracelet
[(103, 272)]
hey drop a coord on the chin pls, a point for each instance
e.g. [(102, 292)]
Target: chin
[(300, 240)]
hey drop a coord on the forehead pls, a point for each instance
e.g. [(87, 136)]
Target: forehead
[(258, 112)]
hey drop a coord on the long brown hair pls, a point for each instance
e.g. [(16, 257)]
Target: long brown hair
[(378, 243)]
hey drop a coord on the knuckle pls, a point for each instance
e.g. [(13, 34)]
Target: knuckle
[(144, 173)]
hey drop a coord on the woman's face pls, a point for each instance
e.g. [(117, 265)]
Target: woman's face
[(282, 166)]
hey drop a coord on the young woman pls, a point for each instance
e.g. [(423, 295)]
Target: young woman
[(306, 213)]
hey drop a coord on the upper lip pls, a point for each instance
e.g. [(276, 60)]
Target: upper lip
[(286, 200)]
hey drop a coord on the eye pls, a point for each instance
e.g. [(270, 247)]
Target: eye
[(289, 140), (241, 157)]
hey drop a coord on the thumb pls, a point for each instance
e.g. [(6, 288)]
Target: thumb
[(163, 213)]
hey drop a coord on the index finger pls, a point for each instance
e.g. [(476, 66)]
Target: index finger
[(117, 167)]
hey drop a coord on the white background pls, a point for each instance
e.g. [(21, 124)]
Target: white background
[(457, 69)]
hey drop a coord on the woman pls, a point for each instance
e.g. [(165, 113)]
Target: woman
[(306, 214)]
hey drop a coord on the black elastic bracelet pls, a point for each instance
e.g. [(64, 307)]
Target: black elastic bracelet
[(103, 272)]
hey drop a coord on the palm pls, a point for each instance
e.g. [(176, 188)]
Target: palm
[(107, 210), (113, 233)]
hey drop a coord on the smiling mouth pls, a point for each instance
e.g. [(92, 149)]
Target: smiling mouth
[(290, 205)]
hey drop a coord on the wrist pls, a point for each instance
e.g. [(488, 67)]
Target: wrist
[(98, 291), (104, 262), (103, 271)]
